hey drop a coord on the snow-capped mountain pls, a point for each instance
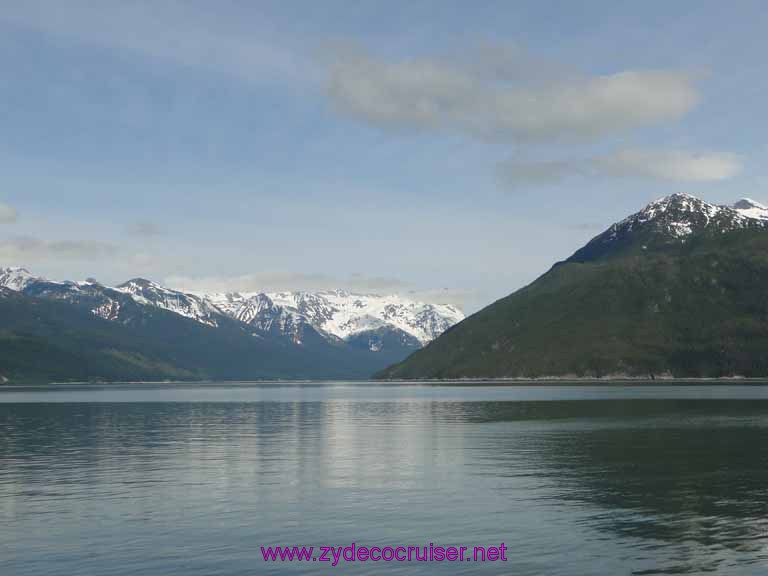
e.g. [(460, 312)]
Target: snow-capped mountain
[(339, 314), (102, 301), (680, 215), (345, 314), (259, 311), (187, 305), (113, 304), (751, 209), (15, 278), (671, 220), (375, 321), (676, 290)]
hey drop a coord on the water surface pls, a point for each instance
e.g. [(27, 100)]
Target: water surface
[(161, 479)]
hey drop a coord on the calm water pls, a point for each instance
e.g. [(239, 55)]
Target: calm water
[(159, 480)]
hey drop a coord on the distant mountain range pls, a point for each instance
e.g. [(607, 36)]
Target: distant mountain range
[(679, 288), (142, 330)]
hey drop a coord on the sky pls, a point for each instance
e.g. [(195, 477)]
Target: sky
[(450, 150)]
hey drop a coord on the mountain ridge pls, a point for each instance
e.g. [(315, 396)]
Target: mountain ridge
[(275, 340), (670, 220), (676, 289)]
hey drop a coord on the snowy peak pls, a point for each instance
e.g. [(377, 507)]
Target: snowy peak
[(680, 215), (344, 314), (672, 220), (147, 292), (243, 307), (15, 278), (751, 209), (337, 314), (138, 285), (258, 311), (334, 316), (687, 210), (748, 203)]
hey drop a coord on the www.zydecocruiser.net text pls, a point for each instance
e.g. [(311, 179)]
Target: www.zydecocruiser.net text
[(356, 553)]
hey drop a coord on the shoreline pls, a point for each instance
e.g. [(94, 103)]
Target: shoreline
[(458, 382)]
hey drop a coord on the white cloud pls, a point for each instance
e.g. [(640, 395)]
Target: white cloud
[(8, 214), (144, 229), (519, 173), (675, 165), (167, 30), (292, 281), (504, 102), (277, 281), (669, 165), (24, 249)]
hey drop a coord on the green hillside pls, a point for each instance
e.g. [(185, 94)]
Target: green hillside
[(693, 308)]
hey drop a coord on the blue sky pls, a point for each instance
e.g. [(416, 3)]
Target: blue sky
[(450, 149)]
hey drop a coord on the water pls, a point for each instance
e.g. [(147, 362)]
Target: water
[(160, 480)]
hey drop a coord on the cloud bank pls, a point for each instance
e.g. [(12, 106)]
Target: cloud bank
[(503, 101), (666, 165), (180, 33), (292, 281), (278, 281), (24, 249), (8, 214), (144, 229)]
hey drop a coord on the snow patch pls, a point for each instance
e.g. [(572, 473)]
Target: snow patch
[(15, 278)]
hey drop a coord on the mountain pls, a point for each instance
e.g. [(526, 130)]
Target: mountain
[(15, 278), (339, 315), (188, 305), (101, 301), (172, 334), (43, 339), (261, 313), (669, 222), (678, 289), (334, 315), (751, 209)]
